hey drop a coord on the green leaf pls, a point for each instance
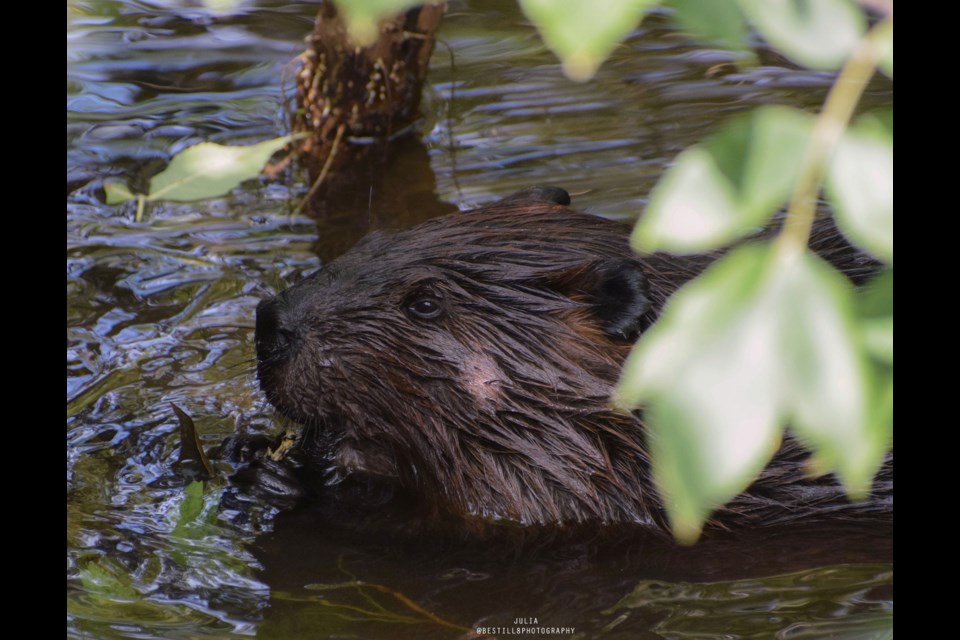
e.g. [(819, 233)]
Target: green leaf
[(709, 369), (582, 32), (878, 338), (117, 192), (727, 187), (192, 506), (755, 343), (825, 376), (107, 577), (875, 305), (880, 404), (816, 33), (208, 170), (190, 521), (886, 52), (719, 21), (860, 183), (363, 16)]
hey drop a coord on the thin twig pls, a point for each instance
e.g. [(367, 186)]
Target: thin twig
[(415, 607), (360, 585), (323, 172)]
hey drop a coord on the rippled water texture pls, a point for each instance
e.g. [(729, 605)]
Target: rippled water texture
[(162, 311)]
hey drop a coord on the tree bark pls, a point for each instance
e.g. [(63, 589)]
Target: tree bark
[(353, 100)]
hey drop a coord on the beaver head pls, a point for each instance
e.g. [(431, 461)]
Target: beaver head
[(471, 358)]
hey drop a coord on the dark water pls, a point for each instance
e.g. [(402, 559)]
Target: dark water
[(162, 311)]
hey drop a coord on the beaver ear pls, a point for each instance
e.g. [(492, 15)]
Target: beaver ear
[(620, 298), (615, 290), (551, 195)]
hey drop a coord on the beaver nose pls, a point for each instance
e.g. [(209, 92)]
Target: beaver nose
[(276, 332)]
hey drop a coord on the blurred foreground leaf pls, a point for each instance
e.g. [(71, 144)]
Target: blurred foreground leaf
[(753, 344), (728, 186), (717, 21), (876, 312), (876, 323), (583, 32), (363, 16), (860, 183), (827, 381), (819, 34), (886, 52)]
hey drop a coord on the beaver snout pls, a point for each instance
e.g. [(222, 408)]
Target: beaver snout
[(289, 348), (278, 341), (276, 335), (289, 352)]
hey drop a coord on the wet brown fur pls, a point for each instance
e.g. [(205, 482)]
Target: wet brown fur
[(498, 408)]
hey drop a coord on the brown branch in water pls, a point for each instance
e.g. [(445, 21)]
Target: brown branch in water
[(413, 606), (396, 595), (324, 171)]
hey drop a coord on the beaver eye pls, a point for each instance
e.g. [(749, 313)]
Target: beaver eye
[(425, 308)]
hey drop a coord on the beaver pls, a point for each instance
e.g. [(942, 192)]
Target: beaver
[(471, 359)]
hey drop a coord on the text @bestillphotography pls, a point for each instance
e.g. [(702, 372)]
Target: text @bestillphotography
[(526, 627)]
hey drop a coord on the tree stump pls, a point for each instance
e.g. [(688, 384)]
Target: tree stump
[(352, 100)]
